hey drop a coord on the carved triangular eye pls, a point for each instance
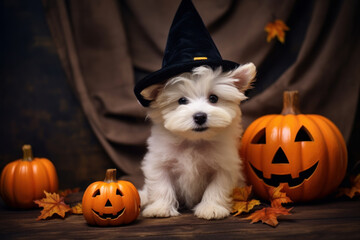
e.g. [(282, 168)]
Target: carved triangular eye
[(303, 135), (96, 193), (260, 137), (118, 192)]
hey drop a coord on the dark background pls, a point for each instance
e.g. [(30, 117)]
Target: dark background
[(38, 107)]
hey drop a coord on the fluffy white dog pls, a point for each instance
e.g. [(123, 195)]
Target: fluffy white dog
[(192, 156)]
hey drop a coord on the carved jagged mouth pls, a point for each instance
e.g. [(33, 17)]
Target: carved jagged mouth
[(276, 179), (109, 215), (200, 129)]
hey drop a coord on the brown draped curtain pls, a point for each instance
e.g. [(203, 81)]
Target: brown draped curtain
[(106, 45)]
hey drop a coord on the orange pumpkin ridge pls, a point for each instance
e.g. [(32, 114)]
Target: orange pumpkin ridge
[(305, 152)]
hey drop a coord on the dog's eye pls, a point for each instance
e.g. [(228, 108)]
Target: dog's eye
[(213, 98), (183, 101)]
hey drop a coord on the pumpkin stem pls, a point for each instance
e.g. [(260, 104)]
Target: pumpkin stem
[(110, 175), (291, 103), (27, 153)]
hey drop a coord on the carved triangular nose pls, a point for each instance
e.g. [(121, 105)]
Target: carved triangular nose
[(280, 157), (108, 203)]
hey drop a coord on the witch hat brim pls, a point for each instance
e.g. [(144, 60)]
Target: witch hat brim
[(189, 45)]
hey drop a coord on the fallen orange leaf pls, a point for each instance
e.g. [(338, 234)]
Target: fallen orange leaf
[(52, 204), (276, 29), (268, 215), (241, 202), (277, 197), (77, 209), (354, 188), (241, 193), (64, 193)]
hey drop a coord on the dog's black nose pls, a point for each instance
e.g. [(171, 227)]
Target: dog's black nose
[(200, 118)]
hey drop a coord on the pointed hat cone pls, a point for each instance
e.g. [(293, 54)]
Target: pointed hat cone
[(189, 45)]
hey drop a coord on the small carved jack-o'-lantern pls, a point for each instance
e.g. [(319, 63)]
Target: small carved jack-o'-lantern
[(111, 202), (305, 152)]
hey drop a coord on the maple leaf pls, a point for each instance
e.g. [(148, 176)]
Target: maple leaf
[(64, 193), (268, 215), (52, 204), (276, 29), (241, 202), (77, 209), (277, 197), (354, 188)]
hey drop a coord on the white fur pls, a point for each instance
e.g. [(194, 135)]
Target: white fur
[(187, 167)]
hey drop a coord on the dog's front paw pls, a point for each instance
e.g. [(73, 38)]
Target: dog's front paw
[(143, 198), (159, 209), (211, 211)]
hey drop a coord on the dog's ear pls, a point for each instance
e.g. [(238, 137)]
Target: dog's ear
[(245, 74), (151, 92)]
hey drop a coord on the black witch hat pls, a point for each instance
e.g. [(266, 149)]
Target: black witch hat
[(189, 45)]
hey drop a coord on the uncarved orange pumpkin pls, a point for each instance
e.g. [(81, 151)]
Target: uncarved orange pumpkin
[(110, 202), (24, 180), (305, 152)]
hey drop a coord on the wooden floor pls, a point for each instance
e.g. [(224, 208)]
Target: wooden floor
[(331, 220)]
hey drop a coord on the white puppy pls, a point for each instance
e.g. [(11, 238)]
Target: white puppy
[(192, 157)]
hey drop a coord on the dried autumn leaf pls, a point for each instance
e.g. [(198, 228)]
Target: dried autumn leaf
[(276, 29), (77, 209), (64, 193), (241, 201), (268, 215), (242, 193), (246, 206), (52, 204), (353, 190), (277, 197)]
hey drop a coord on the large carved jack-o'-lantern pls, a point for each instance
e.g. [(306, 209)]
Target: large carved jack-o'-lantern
[(306, 153), (110, 202)]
